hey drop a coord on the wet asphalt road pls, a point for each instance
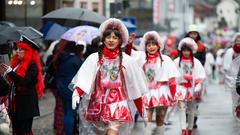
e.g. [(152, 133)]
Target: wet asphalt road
[(215, 116)]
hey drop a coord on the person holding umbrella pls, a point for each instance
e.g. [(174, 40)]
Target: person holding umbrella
[(23, 82), (108, 81)]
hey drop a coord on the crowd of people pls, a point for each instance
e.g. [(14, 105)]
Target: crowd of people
[(104, 89)]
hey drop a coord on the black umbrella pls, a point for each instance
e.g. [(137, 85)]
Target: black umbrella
[(74, 16), (9, 35), (15, 34)]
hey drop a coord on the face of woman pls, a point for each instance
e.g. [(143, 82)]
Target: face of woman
[(237, 42), (112, 41), (186, 52), (193, 34), (151, 48), (20, 53)]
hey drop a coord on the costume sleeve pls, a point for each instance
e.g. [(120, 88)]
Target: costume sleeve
[(86, 75), (139, 105), (171, 68), (172, 86), (135, 79), (200, 72), (30, 77), (80, 91), (128, 49)]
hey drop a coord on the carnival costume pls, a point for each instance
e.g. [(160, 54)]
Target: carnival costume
[(189, 83), (109, 85), (26, 85)]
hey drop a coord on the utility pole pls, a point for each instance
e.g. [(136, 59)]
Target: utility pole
[(25, 12), (2, 10)]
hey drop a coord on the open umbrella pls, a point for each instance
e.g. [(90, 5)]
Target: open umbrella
[(53, 31), (8, 35), (74, 17), (81, 33), (29, 32)]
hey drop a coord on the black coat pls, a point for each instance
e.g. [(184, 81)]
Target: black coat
[(22, 94)]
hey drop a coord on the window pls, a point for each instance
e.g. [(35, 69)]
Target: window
[(95, 6), (83, 4)]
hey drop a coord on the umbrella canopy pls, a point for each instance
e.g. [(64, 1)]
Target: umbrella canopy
[(29, 32), (16, 34), (9, 35), (53, 31), (81, 33), (131, 27), (74, 17)]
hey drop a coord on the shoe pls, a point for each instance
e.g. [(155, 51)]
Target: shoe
[(195, 126), (184, 132), (189, 132)]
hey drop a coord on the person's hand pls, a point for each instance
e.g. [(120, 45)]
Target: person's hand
[(198, 87), (75, 99), (4, 68), (131, 38)]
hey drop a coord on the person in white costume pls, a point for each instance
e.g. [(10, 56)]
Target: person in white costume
[(160, 72), (208, 66), (190, 83), (231, 64), (219, 65), (110, 80)]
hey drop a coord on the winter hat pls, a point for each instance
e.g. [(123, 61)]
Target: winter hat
[(115, 24), (189, 42), (151, 35), (236, 35), (192, 27)]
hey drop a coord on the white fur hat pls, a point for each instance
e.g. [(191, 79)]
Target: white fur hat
[(189, 42), (114, 23), (236, 35), (149, 35)]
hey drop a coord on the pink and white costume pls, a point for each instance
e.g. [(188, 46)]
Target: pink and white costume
[(159, 74), (109, 99), (190, 77)]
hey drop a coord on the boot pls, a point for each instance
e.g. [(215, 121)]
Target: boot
[(184, 132), (195, 122), (189, 132)]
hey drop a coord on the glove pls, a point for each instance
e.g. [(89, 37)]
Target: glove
[(75, 99), (198, 87), (188, 77)]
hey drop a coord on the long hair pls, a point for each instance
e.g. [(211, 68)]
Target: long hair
[(184, 47), (105, 34), (153, 41), (60, 49), (30, 55)]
